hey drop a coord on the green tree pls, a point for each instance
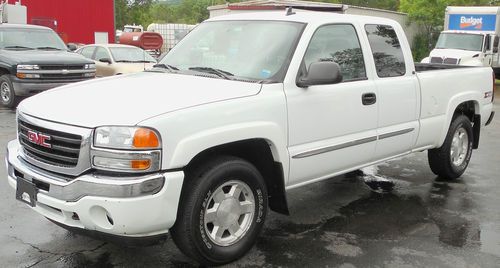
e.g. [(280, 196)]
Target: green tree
[(429, 15)]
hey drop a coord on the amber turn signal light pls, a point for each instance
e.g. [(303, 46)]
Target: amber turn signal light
[(145, 138), (140, 164)]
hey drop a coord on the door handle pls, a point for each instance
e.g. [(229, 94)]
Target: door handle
[(369, 98)]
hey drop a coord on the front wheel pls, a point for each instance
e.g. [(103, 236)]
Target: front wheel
[(222, 210), (7, 94), (451, 159)]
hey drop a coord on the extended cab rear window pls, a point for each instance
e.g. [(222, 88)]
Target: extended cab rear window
[(387, 52)]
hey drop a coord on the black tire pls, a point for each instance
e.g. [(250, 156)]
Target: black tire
[(190, 232), (8, 97), (440, 159)]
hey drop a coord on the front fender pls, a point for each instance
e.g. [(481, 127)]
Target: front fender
[(187, 148)]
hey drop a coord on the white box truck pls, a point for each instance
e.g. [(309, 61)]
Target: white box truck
[(470, 37)]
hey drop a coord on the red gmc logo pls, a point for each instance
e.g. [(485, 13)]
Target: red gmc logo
[(39, 138)]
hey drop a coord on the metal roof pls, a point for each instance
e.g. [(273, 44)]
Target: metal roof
[(298, 4), (280, 4)]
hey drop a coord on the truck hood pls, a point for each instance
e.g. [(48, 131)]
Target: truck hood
[(130, 99), (453, 53), (44, 57)]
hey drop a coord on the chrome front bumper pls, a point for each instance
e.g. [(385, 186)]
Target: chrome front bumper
[(64, 188), (24, 87), (137, 206)]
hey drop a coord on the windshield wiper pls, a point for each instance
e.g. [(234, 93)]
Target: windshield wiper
[(49, 48), (166, 66), (142, 61), (218, 72), (18, 47)]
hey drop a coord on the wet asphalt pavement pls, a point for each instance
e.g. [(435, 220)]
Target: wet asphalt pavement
[(403, 217)]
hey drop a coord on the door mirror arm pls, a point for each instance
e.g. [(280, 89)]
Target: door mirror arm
[(105, 60)]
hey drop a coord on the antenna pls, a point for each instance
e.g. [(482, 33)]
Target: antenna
[(289, 11)]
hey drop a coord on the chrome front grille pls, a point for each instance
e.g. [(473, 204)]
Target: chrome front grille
[(437, 60), (69, 152), (440, 60), (62, 67), (450, 61), (68, 73), (59, 149)]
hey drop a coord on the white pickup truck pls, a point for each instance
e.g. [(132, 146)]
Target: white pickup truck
[(243, 109)]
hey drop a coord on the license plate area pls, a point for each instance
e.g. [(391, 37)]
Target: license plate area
[(26, 192)]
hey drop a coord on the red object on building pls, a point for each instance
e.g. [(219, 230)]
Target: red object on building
[(76, 21)]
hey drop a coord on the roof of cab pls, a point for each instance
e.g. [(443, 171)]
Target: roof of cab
[(23, 26), (303, 17)]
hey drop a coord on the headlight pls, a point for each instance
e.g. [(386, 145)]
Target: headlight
[(28, 67), (126, 138), (130, 149), (90, 66)]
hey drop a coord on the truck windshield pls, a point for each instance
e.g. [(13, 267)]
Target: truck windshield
[(256, 50), (130, 54), (472, 42), (19, 38)]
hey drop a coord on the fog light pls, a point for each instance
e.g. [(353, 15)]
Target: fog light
[(152, 186)]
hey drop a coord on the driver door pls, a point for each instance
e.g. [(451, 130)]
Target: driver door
[(332, 127)]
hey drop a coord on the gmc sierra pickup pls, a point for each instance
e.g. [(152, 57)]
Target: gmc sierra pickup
[(244, 108), (34, 59)]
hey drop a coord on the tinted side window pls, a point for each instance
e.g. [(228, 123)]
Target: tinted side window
[(338, 43), (101, 54), (87, 52), (387, 53)]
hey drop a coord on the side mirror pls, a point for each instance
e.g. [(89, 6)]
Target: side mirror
[(105, 60), (487, 43), (321, 73), (496, 41), (71, 47)]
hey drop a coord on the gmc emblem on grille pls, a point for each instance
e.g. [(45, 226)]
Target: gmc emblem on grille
[(39, 138)]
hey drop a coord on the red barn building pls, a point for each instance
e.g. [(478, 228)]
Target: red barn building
[(77, 21)]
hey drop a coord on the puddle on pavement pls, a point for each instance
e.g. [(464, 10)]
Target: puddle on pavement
[(385, 214)]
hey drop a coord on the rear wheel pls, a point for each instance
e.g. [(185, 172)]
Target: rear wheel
[(222, 211), (7, 94), (451, 160)]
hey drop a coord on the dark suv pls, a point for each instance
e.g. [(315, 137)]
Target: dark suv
[(34, 59)]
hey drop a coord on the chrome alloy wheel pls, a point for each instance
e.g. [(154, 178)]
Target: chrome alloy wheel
[(459, 147), (5, 92), (229, 213)]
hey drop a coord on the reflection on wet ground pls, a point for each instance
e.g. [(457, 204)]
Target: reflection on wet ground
[(365, 218), (424, 224)]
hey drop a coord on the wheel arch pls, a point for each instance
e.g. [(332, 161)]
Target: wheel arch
[(257, 151), (467, 105), (4, 71)]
